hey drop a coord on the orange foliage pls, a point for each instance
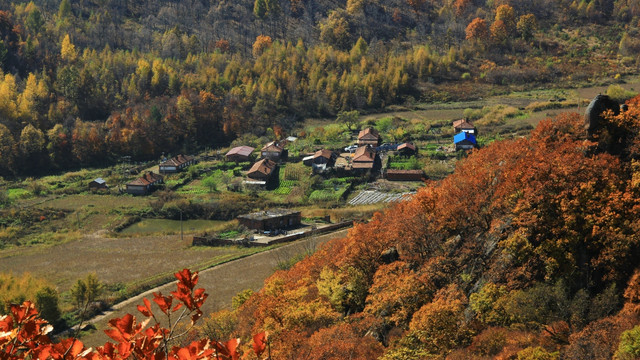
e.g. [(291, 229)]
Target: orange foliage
[(396, 293), (477, 30), (261, 44)]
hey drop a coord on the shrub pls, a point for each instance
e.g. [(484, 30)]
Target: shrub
[(47, 304), (629, 347), (620, 94)]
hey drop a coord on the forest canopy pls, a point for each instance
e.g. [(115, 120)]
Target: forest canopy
[(85, 83)]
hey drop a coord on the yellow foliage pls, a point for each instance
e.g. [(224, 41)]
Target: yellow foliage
[(18, 288), (67, 49), (8, 97)]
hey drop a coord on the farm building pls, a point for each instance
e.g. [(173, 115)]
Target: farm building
[(326, 157), (369, 136), (262, 170), (239, 154), (404, 175), (176, 164), (144, 184), (464, 141), (364, 158), (98, 183), (273, 151), (463, 125), (406, 149), (271, 219)]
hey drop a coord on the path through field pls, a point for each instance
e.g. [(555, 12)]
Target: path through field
[(222, 282)]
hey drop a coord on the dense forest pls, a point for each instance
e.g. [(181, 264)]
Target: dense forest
[(528, 251), (85, 82)]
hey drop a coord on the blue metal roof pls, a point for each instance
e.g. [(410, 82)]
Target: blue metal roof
[(464, 136)]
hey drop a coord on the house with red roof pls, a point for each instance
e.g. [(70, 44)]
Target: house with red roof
[(144, 184), (262, 170), (176, 163), (239, 154), (463, 125), (369, 136)]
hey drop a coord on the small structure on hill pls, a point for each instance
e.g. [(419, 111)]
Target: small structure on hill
[(239, 154), (406, 149), (369, 136), (144, 184), (176, 164), (404, 175), (274, 219), (262, 170), (273, 151), (98, 184), (464, 141), (463, 125)]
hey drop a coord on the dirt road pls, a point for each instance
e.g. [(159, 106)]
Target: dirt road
[(222, 282)]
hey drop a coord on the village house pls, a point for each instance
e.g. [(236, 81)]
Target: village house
[(404, 175), (406, 149), (262, 170), (274, 219), (464, 141), (364, 159), (98, 184), (144, 184), (273, 151), (320, 157), (176, 164), (369, 136), (463, 125), (239, 154)]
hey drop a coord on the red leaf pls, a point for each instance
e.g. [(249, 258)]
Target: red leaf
[(187, 279), (232, 347), (123, 329), (197, 315), (260, 342), (146, 309), (164, 302)]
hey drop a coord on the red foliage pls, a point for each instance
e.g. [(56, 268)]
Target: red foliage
[(23, 335)]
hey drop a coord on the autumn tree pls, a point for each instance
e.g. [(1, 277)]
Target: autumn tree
[(7, 143), (499, 32), (527, 25), (67, 49), (261, 44), (507, 15), (477, 30), (32, 146), (336, 29), (348, 118)]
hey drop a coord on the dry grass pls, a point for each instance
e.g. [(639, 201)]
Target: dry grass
[(225, 281), (129, 261)]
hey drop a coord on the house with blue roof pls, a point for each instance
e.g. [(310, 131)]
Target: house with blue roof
[(464, 141)]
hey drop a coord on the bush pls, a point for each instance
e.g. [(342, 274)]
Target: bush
[(619, 94), (47, 304), (629, 347)]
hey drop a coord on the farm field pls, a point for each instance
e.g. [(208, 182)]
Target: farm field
[(124, 264), (147, 226), (224, 281)]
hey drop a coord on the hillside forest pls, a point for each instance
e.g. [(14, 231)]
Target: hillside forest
[(86, 82), (528, 251)]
